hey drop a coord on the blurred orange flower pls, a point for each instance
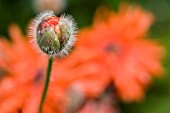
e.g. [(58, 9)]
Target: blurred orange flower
[(23, 78), (120, 45)]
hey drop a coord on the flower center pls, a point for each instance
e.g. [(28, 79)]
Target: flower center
[(2, 73), (112, 48), (39, 77)]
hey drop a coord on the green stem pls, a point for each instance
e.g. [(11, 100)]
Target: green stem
[(50, 62)]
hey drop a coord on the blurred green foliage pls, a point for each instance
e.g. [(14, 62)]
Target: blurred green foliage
[(158, 96)]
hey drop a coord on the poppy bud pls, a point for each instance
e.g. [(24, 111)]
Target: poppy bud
[(53, 35)]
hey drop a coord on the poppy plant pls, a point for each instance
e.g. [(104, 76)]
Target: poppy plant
[(53, 36)]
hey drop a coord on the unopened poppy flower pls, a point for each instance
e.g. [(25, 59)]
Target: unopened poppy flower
[(52, 35), (120, 42)]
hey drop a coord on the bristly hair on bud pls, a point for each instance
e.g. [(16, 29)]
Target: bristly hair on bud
[(52, 35)]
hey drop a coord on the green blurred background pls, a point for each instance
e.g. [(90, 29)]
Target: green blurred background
[(158, 96)]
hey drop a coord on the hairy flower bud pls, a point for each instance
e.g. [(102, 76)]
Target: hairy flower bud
[(53, 35)]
